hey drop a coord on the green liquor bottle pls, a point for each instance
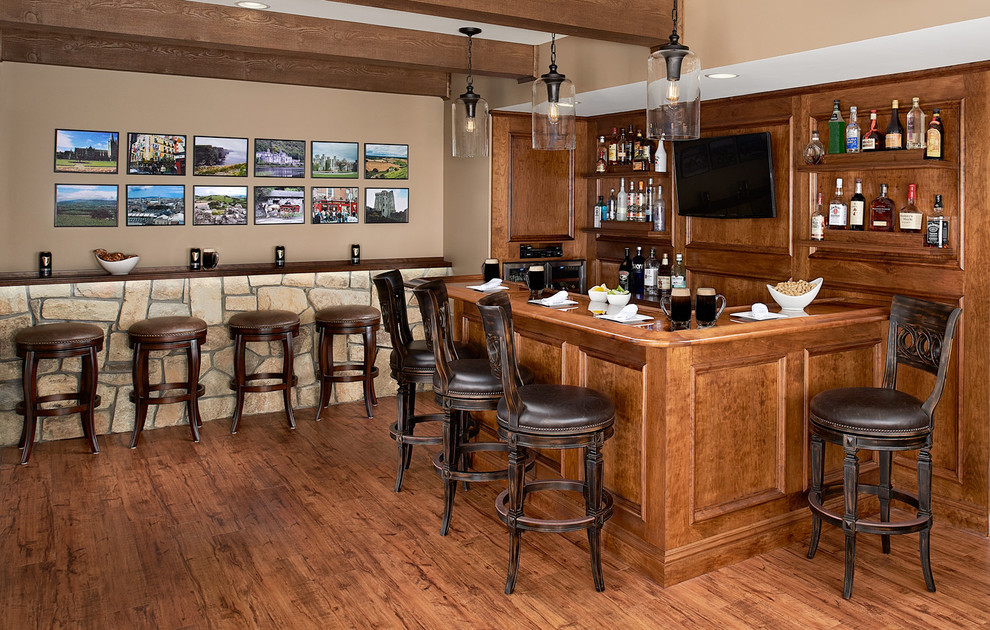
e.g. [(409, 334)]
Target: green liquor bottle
[(836, 130)]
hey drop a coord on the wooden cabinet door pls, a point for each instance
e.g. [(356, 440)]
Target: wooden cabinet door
[(541, 192)]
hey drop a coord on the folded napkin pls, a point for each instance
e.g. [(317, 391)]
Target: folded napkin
[(760, 311), (558, 299), (628, 312), (491, 285)]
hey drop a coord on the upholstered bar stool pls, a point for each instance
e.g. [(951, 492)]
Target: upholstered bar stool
[(885, 420), (460, 386), (546, 416), (348, 319), (266, 326), (166, 334), (58, 341)]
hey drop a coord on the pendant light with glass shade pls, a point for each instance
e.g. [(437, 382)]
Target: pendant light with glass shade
[(673, 91), (553, 108), (469, 115)]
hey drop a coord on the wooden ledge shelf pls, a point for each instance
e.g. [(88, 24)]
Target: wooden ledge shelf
[(875, 161), (24, 278)]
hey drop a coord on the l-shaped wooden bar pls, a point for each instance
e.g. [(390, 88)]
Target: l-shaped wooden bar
[(708, 464)]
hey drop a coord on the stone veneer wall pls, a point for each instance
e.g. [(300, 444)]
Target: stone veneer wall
[(115, 305)]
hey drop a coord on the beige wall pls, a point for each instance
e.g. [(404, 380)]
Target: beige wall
[(36, 99)]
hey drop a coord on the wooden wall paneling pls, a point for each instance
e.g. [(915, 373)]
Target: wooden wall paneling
[(738, 291)]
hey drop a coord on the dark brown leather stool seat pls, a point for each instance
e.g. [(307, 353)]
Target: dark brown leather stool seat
[(541, 416), (264, 326), (58, 341), (348, 319), (166, 334), (885, 420)]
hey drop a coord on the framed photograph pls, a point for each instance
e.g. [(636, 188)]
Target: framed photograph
[(386, 205), (335, 205), (85, 206), (386, 161), (279, 158), (279, 205), (156, 205), (156, 154), (85, 151), (220, 205), (334, 159), (220, 157)]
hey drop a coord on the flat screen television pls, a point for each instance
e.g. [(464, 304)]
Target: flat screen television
[(725, 177)]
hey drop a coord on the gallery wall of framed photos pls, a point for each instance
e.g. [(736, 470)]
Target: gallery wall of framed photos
[(236, 166)]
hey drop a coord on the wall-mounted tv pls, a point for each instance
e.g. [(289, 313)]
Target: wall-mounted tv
[(725, 177)]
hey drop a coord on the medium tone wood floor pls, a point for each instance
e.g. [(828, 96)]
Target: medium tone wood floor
[(272, 528)]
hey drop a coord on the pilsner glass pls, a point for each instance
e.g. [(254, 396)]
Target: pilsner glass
[(677, 308), (707, 308)]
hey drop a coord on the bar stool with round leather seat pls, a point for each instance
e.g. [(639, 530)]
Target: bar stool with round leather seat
[(546, 416), (348, 319), (166, 334), (265, 326), (460, 385), (885, 420), (58, 341)]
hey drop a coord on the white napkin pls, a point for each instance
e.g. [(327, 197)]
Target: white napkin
[(555, 300), (760, 311), (627, 313), (491, 285)]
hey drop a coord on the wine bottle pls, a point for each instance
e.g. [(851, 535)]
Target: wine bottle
[(836, 130), (625, 268), (857, 208), (935, 138), (882, 212), (818, 219), (637, 277), (915, 126), (909, 218), (894, 138), (852, 132), (838, 210), (873, 138)]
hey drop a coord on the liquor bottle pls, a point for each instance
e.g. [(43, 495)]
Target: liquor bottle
[(857, 208), (633, 211), (622, 148), (894, 139), (613, 205), (637, 277), (678, 275), (648, 204), (935, 138), (838, 211), (814, 153), (602, 211), (622, 209), (937, 226), (650, 270), (909, 219), (641, 205), (873, 138), (647, 158), (818, 219), (629, 146), (663, 276), (852, 132), (659, 211), (613, 148), (601, 164), (660, 158), (596, 212), (637, 152), (836, 130), (624, 270), (915, 126), (882, 212)]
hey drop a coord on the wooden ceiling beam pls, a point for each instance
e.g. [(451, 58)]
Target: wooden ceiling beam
[(637, 22), (181, 23), (86, 51)]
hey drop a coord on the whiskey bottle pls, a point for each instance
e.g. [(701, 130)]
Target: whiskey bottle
[(613, 148), (935, 138), (894, 138), (629, 145), (638, 275), (814, 153), (937, 226), (909, 219), (838, 210), (622, 209), (650, 270), (882, 212), (857, 208), (678, 275), (818, 219), (646, 160), (601, 164), (852, 132), (836, 130), (625, 268), (637, 151), (622, 147), (915, 126), (613, 205), (663, 277), (873, 138)]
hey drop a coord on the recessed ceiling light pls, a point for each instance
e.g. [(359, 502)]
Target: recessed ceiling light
[(721, 75), (246, 4)]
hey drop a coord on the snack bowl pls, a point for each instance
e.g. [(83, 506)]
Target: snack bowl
[(794, 304), (119, 267), (596, 294), (619, 299)]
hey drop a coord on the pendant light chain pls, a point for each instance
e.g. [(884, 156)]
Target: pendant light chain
[(470, 76), (553, 50), (673, 14)]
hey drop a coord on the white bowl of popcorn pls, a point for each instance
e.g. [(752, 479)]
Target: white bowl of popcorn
[(794, 295)]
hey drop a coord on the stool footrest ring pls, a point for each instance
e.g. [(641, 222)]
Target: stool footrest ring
[(906, 526), (21, 407), (275, 387), (486, 475), (529, 523), (409, 438)]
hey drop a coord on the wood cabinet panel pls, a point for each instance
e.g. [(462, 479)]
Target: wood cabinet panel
[(541, 192)]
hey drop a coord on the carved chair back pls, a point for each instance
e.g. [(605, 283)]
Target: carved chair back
[(496, 317), (392, 298), (435, 307)]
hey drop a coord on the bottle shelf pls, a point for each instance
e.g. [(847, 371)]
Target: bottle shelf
[(628, 229), (884, 245), (877, 161), (626, 171)]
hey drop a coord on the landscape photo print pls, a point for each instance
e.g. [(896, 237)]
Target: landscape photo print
[(386, 205), (85, 206), (220, 157), (386, 161), (79, 151)]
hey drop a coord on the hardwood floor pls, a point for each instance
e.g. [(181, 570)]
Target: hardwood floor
[(274, 528)]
